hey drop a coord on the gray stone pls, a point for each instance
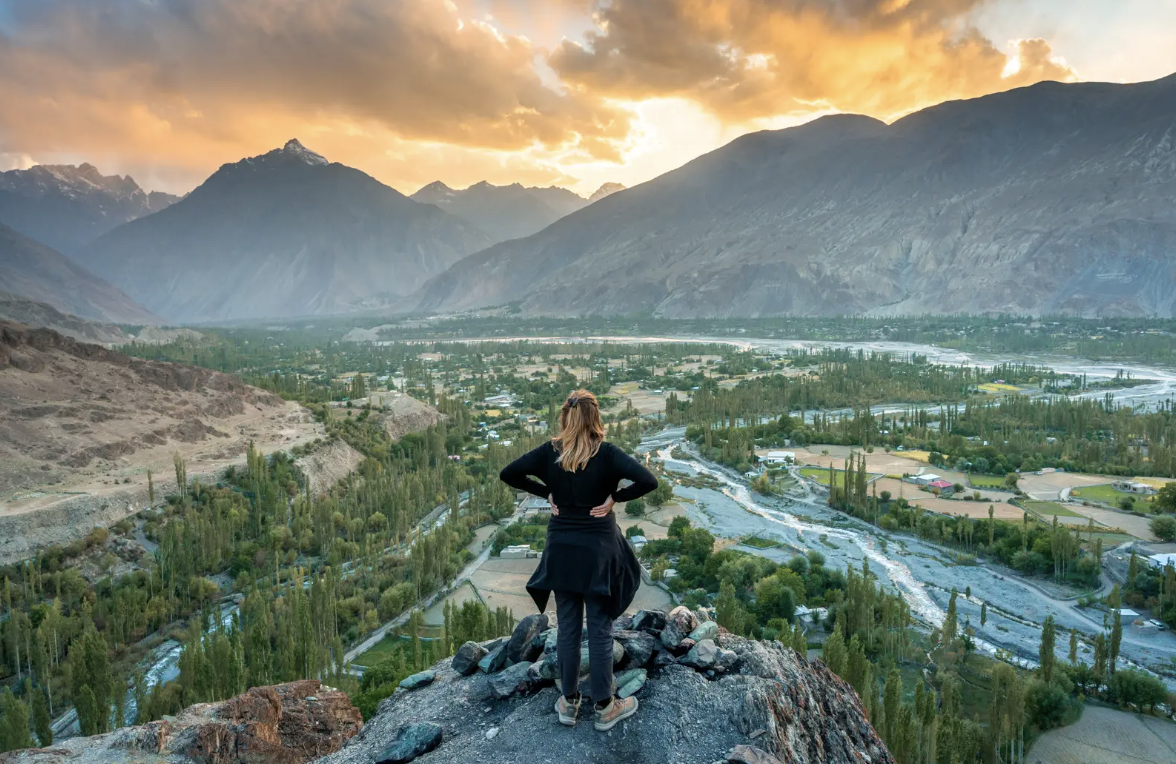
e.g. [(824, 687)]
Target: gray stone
[(639, 647), (726, 660), (702, 656), (623, 623), (491, 733), (630, 682), (411, 741), (465, 660), (511, 680), (705, 630), (649, 620), (663, 658), (417, 680), (683, 647), (494, 661), (521, 648), (749, 754), (537, 677)]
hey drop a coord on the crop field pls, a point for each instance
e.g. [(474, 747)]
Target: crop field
[(996, 388), (1049, 508), (1108, 735), (985, 481)]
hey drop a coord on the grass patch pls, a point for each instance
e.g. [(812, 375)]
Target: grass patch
[(759, 543), (993, 387), (1049, 508), (986, 481), (918, 456), (1105, 494), (820, 474)]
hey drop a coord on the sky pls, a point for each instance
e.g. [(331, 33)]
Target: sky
[(573, 93)]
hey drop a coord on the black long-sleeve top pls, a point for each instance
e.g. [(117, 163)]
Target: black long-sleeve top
[(583, 554), (585, 488)]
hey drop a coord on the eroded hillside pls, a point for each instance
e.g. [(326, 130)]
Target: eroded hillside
[(81, 425)]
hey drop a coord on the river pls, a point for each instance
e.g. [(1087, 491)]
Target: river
[(921, 573)]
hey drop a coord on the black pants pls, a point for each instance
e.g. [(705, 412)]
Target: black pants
[(569, 609)]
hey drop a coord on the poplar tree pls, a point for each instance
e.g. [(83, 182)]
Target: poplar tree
[(1045, 652)]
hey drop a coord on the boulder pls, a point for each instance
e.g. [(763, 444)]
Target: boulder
[(420, 679), (679, 624), (509, 681), (550, 641), (683, 647), (702, 656), (649, 620), (537, 678), (705, 630), (521, 648), (663, 658), (639, 647), (726, 660), (630, 682), (749, 754), (411, 741), (465, 660), (623, 623), (494, 661)]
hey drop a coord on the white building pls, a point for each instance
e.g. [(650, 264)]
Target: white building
[(1162, 561), (1130, 486), (924, 479), (780, 457), (517, 552), (1127, 615)]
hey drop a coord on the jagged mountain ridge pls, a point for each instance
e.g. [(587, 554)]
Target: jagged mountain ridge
[(22, 310), (283, 234), (35, 272), (1051, 198), (67, 206), (509, 212)]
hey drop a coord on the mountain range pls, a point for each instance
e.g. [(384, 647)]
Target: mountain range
[(41, 274), (509, 212), (67, 207), (1055, 198), (283, 234)]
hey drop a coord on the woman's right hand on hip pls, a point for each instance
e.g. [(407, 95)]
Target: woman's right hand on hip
[(551, 501)]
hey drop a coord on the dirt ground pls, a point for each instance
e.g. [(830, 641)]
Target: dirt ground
[(502, 583), (655, 524), (1001, 508), (1133, 524), (645, 401), (1106, 735)]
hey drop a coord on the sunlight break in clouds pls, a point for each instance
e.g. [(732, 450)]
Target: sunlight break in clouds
[(572, 92)]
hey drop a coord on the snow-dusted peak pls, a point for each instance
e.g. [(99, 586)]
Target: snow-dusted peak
[(607, 189), (295, 148)]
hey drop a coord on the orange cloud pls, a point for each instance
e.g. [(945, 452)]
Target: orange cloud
[(216, 76), (750, 59)]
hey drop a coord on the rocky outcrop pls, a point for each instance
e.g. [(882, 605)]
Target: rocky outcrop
[(728, 699), (284, 724)]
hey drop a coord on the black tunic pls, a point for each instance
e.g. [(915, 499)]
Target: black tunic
[(584, 554)]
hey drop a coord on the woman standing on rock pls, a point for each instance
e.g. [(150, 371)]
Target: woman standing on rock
[(586, 561)]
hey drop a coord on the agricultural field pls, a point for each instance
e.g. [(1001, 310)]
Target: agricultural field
[(1108, 735), (986, 481), (1048, 508), (997, 388)]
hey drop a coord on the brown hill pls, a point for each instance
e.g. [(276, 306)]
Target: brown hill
[(80, 425)]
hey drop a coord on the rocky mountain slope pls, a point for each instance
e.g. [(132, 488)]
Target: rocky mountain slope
[(67, 207), (22, 310), (80, 426), (283, 234), (284, 724), (1051, 198), (509, 212), (33, 271), (704, 696)]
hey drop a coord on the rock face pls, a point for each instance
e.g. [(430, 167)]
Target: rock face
[(66, 206), (283, 234), (284, 724), (769, 705), (1047, 199)]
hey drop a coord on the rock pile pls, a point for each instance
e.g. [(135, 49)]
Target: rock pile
[(284, 724), (706, 696)]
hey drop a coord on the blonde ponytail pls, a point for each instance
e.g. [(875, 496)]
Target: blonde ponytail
[(581, 431)]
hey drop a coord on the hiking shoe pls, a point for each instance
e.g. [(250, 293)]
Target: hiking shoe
[(567, 710), (614, 713)]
